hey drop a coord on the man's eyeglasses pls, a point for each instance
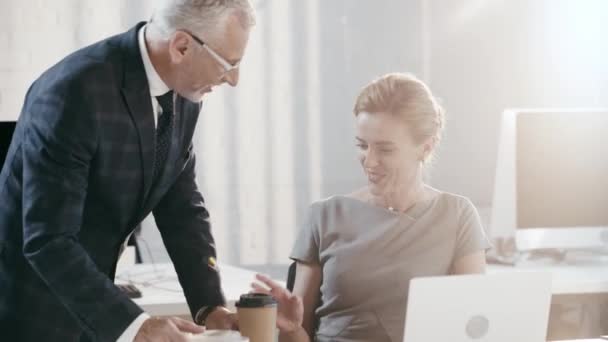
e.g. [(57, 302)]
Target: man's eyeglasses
[(228, 67)]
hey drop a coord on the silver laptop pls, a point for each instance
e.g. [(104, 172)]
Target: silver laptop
[(504, 307)]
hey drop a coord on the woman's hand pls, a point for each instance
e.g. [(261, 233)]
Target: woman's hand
[(290, 311)]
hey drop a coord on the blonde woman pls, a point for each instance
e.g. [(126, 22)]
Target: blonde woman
[(357, 252)]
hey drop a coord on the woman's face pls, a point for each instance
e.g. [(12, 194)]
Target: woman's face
[(389, 157)]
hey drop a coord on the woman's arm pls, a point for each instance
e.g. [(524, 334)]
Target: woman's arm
[(296, 311), (307, 286), (470, 264)]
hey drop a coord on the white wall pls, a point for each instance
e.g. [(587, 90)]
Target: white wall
[(283, 138), (35, 34), (495, 54)]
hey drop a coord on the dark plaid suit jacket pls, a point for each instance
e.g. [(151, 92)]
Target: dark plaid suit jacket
[(77, 179)]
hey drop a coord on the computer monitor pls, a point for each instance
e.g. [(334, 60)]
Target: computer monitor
[(7, 128), (551, 185)]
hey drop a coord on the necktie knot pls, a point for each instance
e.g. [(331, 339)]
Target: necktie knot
[(166, 102)]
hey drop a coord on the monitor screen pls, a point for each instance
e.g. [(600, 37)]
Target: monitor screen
[(561, 169), (6, 133)]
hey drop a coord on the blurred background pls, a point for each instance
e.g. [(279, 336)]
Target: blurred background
[(284, 137)]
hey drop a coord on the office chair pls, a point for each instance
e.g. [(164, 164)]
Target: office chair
[(291, 276)]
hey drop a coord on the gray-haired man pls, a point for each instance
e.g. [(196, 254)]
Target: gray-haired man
[(103, 139)]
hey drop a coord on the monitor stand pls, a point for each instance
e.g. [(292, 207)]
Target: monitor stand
[(563, 245), (570, 238), (559, 245)]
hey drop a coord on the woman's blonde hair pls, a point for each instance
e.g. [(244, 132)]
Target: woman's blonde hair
[(409, 98)]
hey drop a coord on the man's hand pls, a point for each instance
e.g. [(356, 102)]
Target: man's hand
[(166, 329), (222, 318)]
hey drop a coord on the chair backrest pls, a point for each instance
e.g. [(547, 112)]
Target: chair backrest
[(291, 276)]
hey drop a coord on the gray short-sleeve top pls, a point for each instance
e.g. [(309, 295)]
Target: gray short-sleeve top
[(368, 255)]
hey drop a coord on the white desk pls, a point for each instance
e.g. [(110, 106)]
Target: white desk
[(574, 276), (580, 287), (163, 296), (587, 340)]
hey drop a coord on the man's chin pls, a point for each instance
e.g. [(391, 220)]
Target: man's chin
[(196, 97), (202, 94)]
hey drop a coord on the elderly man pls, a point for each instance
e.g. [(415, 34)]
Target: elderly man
[(105, 138)]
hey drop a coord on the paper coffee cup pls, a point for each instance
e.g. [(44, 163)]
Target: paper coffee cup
[(257, 315)]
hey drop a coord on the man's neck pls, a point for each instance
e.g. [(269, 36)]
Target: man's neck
[(159, 56)]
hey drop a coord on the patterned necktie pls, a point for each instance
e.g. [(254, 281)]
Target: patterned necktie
[(163, 132)]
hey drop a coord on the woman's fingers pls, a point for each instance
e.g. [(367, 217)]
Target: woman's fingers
[(268, 282), (259, 288), (276, 290), (295, 299)]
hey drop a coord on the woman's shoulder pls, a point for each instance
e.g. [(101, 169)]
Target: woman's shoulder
[(337, 206), (357, 195), (332, 202), (360, 198), (459, 203)]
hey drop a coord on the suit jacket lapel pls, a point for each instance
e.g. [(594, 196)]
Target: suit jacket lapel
[(136, 92)]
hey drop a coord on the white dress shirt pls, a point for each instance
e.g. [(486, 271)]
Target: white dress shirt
[(157, 88), (156, 84)]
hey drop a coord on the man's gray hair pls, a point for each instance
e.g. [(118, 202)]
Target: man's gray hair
[(200, 16)]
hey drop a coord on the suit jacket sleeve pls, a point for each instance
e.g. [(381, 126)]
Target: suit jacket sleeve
[(60, 139), (184, 225)]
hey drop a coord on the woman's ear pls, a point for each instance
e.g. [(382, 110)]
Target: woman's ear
[(427, 148)]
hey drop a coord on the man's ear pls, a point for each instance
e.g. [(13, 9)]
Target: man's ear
[(179, 46)]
